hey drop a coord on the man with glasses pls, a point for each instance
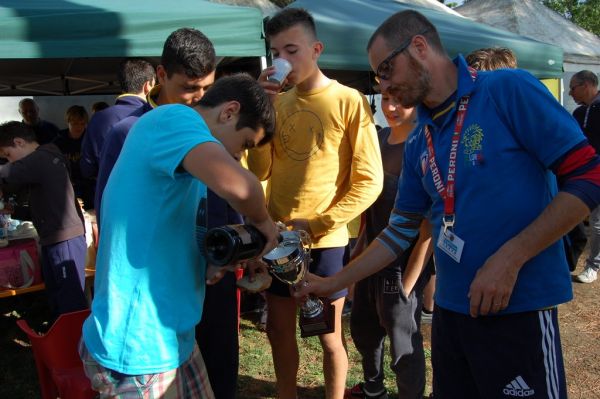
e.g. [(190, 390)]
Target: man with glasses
[(583, 87), (480, 167)]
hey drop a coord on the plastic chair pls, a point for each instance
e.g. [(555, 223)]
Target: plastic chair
[(59, 368)]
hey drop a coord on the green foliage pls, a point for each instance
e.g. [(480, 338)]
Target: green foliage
[(583, 13)]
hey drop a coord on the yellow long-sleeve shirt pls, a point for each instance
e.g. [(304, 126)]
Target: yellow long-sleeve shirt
[(324, 162)]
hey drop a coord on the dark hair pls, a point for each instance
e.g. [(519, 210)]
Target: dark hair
[(188, 51), (27, 100), (76, 111), (99, 106), (404, 25), (586, 76), (492, 58), (133, 73), (289, 17), (256, 110), (9, 131)]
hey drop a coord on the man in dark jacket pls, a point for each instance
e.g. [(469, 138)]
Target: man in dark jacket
[(136, 78), (584, 90), (44, 131)]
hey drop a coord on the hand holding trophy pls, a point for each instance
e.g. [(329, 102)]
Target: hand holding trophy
[(288, 262)]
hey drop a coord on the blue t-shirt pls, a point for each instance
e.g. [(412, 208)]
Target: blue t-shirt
[(150, 274), (514, 130), (111, 149)]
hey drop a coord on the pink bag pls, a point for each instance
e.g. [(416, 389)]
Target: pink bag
[(20, 265)]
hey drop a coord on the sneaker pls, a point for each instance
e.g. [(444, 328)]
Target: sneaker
[(357, 392), (426, 317), (588, 275)]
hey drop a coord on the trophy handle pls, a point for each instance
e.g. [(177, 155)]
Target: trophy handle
[(307, 245)]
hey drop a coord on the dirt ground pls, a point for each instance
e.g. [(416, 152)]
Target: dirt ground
[(580, 334)]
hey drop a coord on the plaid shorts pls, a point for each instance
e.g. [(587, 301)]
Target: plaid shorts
[(188, 381)]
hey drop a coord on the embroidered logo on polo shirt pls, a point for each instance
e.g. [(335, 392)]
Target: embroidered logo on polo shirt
[(472, 142), (424, 161), (518, 388)]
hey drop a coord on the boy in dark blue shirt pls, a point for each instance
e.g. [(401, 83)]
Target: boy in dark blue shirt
[(55, 214)]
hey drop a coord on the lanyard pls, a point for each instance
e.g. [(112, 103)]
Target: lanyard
[(447, 192)]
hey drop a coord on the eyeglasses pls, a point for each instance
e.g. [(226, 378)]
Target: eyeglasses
[(385, 67), (571, 88)]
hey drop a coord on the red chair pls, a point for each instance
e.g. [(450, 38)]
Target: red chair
[(59, 367)]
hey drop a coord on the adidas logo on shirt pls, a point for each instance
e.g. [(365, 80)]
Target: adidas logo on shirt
[(518, 388)]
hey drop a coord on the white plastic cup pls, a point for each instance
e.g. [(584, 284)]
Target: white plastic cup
[(282, 70)]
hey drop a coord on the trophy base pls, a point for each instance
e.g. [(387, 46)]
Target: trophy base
[(321, 324)]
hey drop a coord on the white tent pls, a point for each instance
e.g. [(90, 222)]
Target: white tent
[(532, 19), (434, 5), (265, 6)]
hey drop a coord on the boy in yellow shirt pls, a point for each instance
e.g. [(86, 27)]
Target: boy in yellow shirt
[(325, 169)]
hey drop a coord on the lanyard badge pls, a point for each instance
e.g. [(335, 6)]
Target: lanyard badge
[(449, 242)]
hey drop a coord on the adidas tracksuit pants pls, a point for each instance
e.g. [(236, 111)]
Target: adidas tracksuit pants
[(509, 356)]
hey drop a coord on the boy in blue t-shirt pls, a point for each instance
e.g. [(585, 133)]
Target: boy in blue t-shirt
[(150, 273)]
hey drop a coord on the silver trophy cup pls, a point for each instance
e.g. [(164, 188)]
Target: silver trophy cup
[(288, 262)]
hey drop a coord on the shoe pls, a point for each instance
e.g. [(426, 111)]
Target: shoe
[(262, 322), (347, 309), (357, 392), (426, 317), (588, 275)]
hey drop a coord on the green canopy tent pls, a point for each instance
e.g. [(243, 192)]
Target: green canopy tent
[(345, 27), (71, 47)]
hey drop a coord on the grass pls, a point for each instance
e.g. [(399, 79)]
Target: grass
[(257, 378), (18, 377)]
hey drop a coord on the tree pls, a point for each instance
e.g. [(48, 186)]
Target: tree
[(583, 13), (451, 4)]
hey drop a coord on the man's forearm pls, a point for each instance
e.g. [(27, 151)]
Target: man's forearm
[(370, 261), (560, 216), (495, 280), (418, 259)]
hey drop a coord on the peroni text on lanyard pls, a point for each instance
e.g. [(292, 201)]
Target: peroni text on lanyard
[(448, 192)]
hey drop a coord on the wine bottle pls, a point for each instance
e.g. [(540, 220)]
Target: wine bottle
[(230, 244)]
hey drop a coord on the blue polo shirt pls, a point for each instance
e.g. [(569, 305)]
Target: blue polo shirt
[(150, 274), (513, 131)]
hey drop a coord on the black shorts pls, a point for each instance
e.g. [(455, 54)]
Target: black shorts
[(508, 356), (325, 262)]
